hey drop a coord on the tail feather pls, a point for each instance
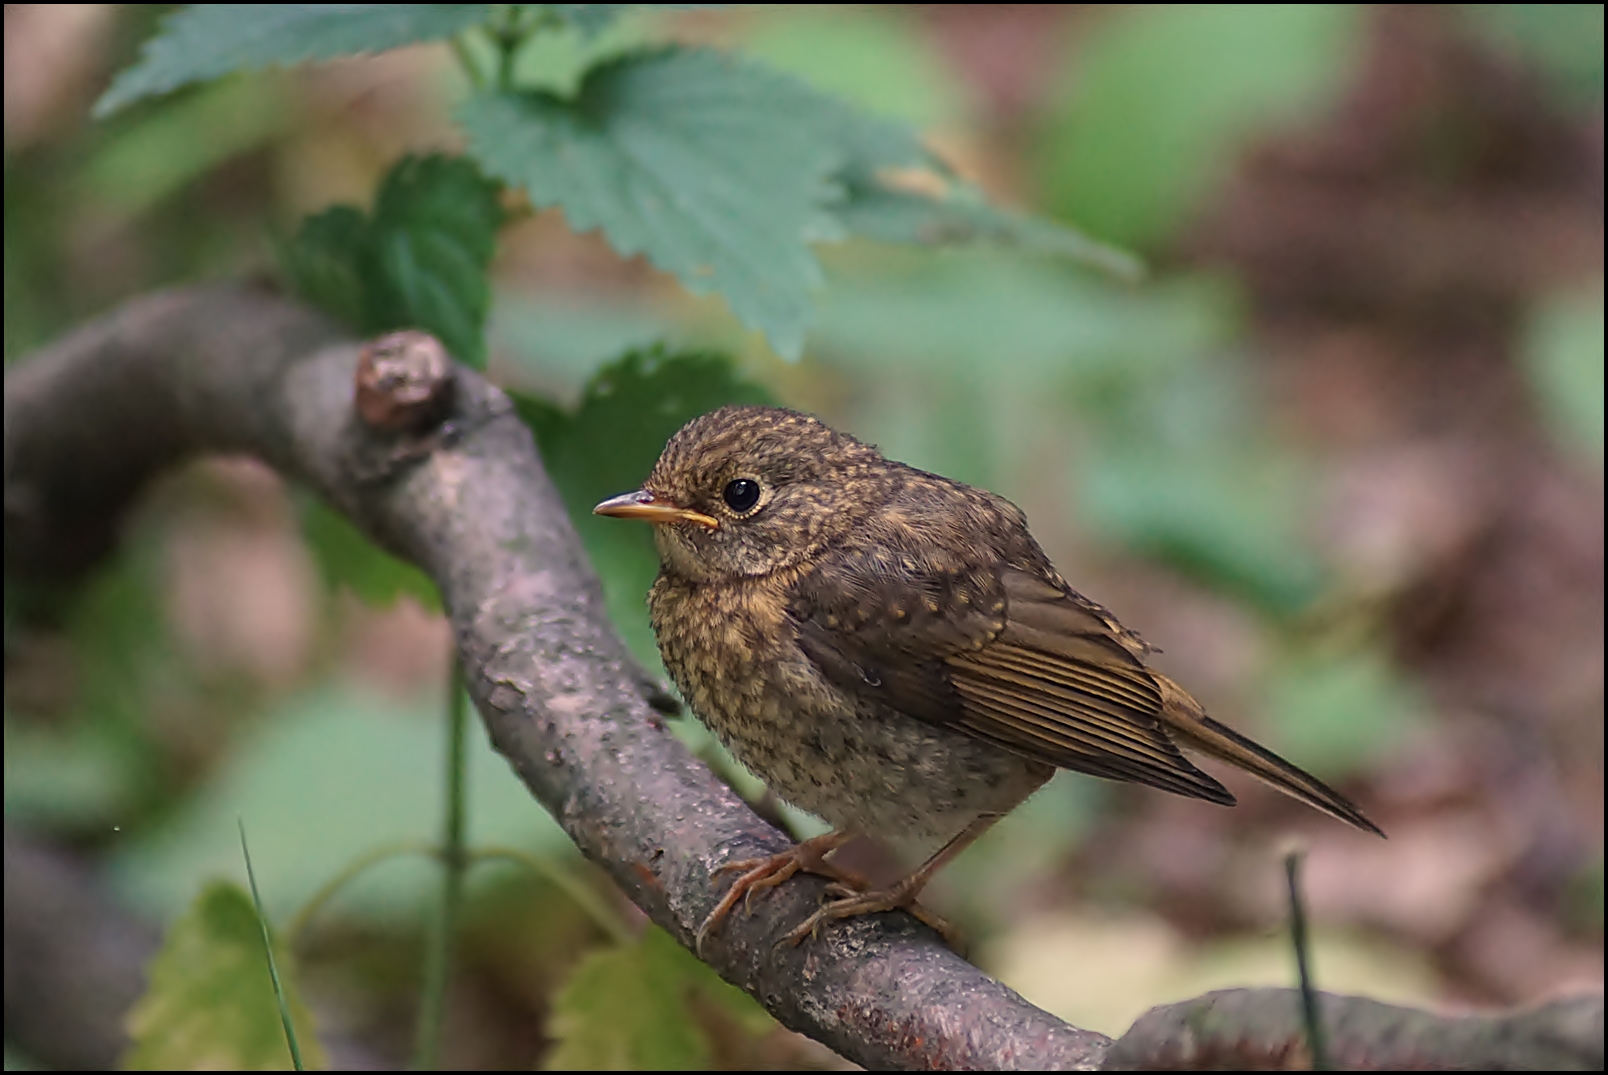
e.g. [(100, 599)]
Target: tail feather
[(1195, 731)]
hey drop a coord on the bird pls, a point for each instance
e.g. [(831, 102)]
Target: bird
[(892, 651)]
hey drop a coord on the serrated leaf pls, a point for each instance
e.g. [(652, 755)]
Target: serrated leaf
[(346, 558), (628, 1008), (325, 262), (205, 41), (714, 168), (210, 1004), (608, 446), (431, 239)]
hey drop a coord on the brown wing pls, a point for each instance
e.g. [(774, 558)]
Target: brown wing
[(998, 653)]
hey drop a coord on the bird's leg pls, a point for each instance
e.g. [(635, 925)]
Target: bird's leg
[(808, 856), (902, 895)]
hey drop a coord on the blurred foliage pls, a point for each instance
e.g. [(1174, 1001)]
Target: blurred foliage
[(327, 777), (101, 760), (608, 445), (1340, 711), (161, 151), (872, 56), (1565, 41), (1563, 356), (644, 1005), (348, 559), (1165, 96), (211, 1004)]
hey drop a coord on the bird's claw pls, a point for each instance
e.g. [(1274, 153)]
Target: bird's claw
[(851, 903), (763, 873)]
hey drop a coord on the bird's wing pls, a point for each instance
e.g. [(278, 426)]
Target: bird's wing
[(997, 652)]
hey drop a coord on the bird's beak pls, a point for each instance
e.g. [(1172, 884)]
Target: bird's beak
[(655, 509)]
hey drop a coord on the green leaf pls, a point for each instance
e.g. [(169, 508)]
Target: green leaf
[(431, 240), (1165, 96), (631, 1008), (419, 262), (1563, 356), (208, 40), (608, 446), (325, 262), (210, 1003), (347, 558), (682, 155)]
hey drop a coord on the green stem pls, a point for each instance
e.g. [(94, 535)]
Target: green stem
[(298, 925), (466, 60), (561, 879), (438, 954), (1309, 996), (507, 50)]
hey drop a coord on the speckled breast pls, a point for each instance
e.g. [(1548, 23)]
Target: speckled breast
[(859, 765)]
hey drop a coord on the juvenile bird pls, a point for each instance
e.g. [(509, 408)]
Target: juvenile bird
[(892, 651)]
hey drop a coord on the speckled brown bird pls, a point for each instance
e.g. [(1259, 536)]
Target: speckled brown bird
[(892, 651)]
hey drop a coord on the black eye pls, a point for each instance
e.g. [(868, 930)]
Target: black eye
[(741, 494)]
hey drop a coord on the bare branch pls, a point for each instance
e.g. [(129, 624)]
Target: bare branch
[(1261, 1029)]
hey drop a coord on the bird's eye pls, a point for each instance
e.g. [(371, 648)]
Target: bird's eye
[(741, 494)]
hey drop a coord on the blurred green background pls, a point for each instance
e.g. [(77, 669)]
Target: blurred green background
[(1340, 457)]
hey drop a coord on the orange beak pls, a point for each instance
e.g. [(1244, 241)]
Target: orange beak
[(655, 509)]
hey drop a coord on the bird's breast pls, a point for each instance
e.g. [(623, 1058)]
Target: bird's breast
[(732, 649)]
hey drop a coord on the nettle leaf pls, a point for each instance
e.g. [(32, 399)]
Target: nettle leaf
[(636, 1007), (716, 169), (677, 154), (210, 1003), (205, 41), (431, 240), (420, 261), (608, 446)]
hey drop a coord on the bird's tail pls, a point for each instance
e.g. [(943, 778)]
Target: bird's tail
[(1195, 731)]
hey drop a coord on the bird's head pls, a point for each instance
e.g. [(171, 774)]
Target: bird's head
[(747, 490)]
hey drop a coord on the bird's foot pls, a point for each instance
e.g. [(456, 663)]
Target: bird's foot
[(852, 902), (808, 856)]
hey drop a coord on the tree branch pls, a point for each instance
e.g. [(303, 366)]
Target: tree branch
[(91, 419)]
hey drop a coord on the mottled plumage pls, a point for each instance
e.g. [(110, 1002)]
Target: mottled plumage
[(891, 650)]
